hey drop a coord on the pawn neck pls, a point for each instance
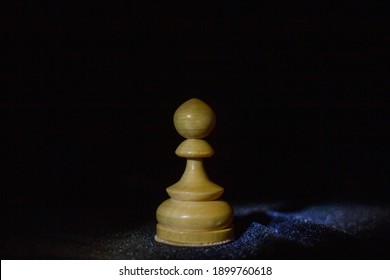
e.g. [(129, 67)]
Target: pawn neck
[(194, 184), (194, 170)]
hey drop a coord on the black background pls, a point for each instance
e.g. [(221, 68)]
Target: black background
[(89, 91)]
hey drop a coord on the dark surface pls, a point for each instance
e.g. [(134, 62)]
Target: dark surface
[(87, 98), (263, 231)]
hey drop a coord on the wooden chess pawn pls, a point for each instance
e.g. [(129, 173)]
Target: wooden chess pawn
[(194, 216)]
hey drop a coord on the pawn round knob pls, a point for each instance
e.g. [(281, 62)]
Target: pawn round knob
[(194, 119)]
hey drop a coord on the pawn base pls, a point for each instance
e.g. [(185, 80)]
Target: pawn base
[(193, 238)]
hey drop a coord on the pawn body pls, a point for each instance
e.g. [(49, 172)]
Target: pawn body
[(188, 223), (194, 215)]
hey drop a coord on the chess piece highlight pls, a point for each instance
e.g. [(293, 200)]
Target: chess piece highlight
[(194, 215)]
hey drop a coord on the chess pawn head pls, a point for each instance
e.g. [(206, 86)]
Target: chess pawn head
[(194, 119)]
